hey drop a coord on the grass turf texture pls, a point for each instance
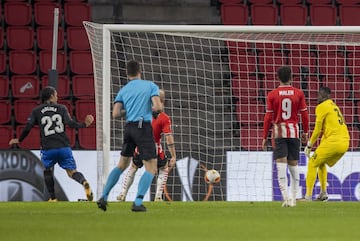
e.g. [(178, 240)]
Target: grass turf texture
[(185, 221)]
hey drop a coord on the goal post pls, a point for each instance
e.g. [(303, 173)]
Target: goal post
[(216, 79)]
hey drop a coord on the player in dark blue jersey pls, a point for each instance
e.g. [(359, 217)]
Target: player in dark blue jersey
[(52, 119), (136, 98)]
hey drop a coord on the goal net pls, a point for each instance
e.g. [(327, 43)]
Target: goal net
[(216, 79)]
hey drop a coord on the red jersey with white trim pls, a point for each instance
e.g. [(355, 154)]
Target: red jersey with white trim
[(161, 126), (285, 103)]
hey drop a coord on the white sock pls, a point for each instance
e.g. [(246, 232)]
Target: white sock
[(161, 181), (282, 179), (128, 180), (294, 181)]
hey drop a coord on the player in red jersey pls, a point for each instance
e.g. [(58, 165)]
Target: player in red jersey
[(283, 105), (161, 125)]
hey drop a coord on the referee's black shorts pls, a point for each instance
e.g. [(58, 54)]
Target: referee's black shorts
[(287, 147), (141, 138)]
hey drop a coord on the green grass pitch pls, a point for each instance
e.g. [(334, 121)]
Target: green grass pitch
[(185, 221)]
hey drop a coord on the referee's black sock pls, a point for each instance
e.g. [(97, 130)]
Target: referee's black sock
[(49, 182), (79, 177)]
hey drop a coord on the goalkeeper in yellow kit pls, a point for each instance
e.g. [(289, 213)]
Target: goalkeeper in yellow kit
[(334, 142)]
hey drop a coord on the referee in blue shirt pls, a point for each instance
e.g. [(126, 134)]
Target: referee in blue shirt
[(138, 98)]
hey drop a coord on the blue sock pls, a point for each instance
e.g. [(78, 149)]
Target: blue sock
[(144, 184), (113, 178)]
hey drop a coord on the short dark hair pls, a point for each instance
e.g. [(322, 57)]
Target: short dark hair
[(46, 93), (133, 68), (284, 74), (325, 89)]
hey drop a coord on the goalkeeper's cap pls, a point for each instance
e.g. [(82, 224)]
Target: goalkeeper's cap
[(46, 93)]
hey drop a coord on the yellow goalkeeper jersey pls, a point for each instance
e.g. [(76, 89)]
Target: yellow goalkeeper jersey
[(330, 122)]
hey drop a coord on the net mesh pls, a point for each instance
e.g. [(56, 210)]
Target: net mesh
[(216, 86)]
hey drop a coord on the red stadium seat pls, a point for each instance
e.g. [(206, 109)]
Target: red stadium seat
[(264, 14), (23, 108), (22, 62), (2, 61), (353, 61), (319, 1), (293, 14), (243, 64), (260, 1), (63, 85), (83, 108), (250, 114), (76, 12), (349, 15), (32, 141), (18, 13), (44, 36), (77, 38), (234, 14), (6, 133), (289, 1), (332, 63), (251, 139), (230, 1), (68, 105), (20, 37), (1, 35), (356, 91), (270, 62), (5, 110), (4, 86), (302, 62), (81, 62), (45, 59), (354, 138), (246, 89), (83, 86), (347, 1), (340, 87), (347, 109), (25, 86), (238, 47), (44, 13), (87, 137), (323, 15)]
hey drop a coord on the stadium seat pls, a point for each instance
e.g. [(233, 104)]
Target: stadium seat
[(332, 63), (63, 85), (44, 36), (251, 139), (347, 1), (81, 62), (234, 14), (243, 64), (356, 91), (2, 62), (87, 137), (2, 37), (32, 141), (260, 1), (76, 12), (270, 62), (5, 110), (349, 15), (340, 87), (250, 114), (71, 134), (4, 86), (77, 38), (293, 14), (83, 86), (45, 59), (319, 1), (68, 104), (44, 13), (246, 89), (264, 14), (6, 133), (353, 61), (17, 13), (83, 108), (23, 108), (323, 15), (20, 37), (230, 1), (347, 109), (289, 1), (302, 62), (239, 47), (354, 138), (25, 86), (22, 61)]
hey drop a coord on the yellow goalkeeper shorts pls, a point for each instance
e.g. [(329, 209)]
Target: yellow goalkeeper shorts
[(329, 152)]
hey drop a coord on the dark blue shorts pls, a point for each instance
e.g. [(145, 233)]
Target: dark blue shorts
[(62, 156)]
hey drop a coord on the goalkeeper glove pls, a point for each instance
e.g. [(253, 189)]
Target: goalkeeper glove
[(307, 149)]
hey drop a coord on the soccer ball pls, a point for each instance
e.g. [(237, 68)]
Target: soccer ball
[(212, 176)]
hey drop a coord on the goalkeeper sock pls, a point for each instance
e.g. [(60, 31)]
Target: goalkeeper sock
[(161, 182), (129, 179), (282, 179), (144, 184), (310, 178), (79, 177), (113, 178), (322, 174), (294, 181), (49, 182)]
